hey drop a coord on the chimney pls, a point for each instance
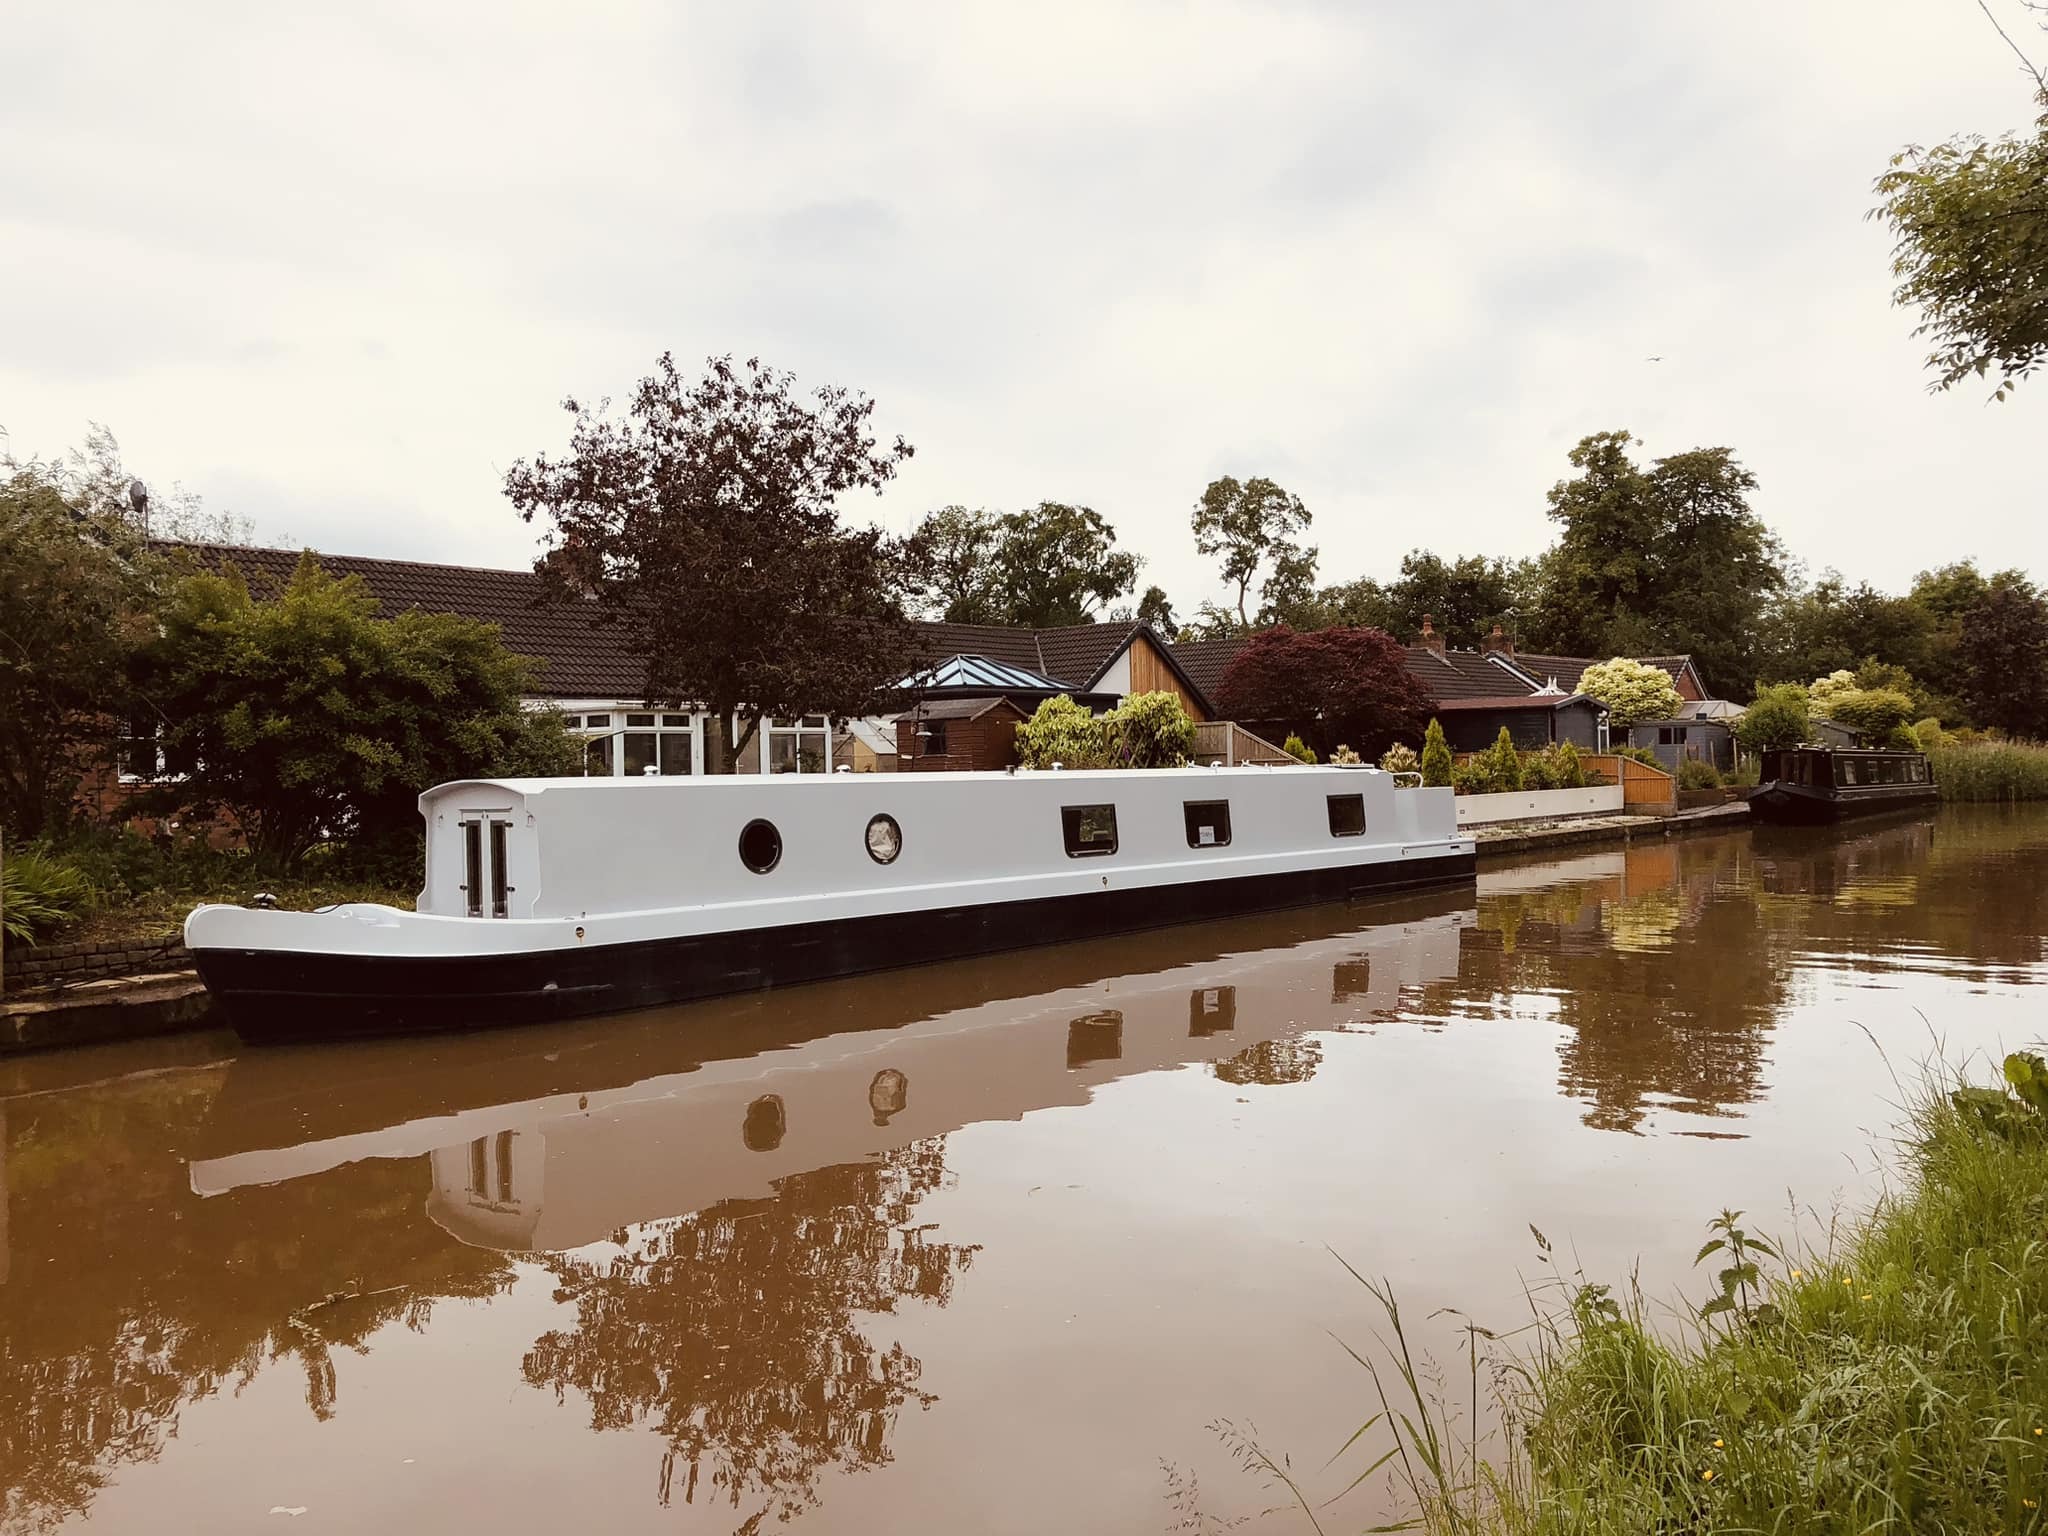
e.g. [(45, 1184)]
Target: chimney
[(1499, 643), (1430, 638)]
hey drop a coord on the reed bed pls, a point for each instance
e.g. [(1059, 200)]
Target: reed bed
[(1896, 1381), (1991, 770)]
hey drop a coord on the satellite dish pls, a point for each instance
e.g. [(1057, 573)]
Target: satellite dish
[(138, 495)]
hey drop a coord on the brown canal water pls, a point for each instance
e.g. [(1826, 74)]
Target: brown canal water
[(985, 1247)]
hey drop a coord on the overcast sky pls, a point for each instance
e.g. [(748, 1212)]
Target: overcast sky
[(336, 275)]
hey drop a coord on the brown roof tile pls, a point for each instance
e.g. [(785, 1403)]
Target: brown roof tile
[(581, 656), (1452, 674), (1205, 661)]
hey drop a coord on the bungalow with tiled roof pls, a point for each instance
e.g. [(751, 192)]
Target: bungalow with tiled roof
[(591, 673)]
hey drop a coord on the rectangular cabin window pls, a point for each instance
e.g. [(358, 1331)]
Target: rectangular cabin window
[(505, 1165), (1347, 815), (1670, 735), (1208, 823), (480, 1169), (1090, 829), (500, 891), (473, 868), (639, 752)]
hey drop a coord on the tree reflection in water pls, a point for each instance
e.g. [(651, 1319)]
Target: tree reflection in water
[(1273, 1062), (735, 1332)]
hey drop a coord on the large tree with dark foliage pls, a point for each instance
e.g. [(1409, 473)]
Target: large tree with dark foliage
[(1667, 558), (1044, 566), (2006, 658), (74, 601), (1348, 687), (705, 523)]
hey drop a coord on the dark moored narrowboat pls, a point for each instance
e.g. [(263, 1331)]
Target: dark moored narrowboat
[(1817, 784)]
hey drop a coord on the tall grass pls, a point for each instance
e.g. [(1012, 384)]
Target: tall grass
[(1991, 770), (1897, 1381), (40, 895)]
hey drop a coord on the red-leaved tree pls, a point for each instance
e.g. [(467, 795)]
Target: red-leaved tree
[(1335, 686)]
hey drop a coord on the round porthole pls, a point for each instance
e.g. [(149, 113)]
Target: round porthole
[(885, 839), (760, 846)]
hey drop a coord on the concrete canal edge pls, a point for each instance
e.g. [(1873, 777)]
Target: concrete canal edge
[(1494, 843), (118, 1008), (136, 1007)]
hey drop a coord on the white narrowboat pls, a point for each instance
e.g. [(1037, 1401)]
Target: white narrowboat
[(549, 898)]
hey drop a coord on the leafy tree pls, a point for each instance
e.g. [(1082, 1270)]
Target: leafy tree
[(1063, 732), (1436, 756), (1298, 749), (1830, 625), (1822, 692), (960, 545), (1254, 524), (309, 717), (76, 589), (1156, 609), (1348, 685), (2006, 665), (1874, 712), (1668, 558), (1775, 719), (1633, 691), (1971, 224), (706, 523), (1466, 597), (1057, 564)]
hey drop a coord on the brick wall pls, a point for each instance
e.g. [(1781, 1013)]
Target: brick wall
[(54, 965)]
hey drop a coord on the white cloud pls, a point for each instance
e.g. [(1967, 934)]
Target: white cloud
[(337, 273)]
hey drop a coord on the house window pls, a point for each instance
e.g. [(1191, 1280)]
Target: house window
[(1670, 735), (802, 745), (139, 754), (1347, 815), (1208, 823), (632, 743), (1090, 829)]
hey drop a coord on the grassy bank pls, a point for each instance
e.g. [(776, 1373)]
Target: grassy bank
[(1991, 770), (1897, 1383)]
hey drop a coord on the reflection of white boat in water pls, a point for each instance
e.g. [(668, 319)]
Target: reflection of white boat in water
[(574, 1166), (557, 898)]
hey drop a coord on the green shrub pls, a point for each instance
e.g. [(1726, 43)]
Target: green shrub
[(1697, 773), (1345, 757), (1295, 747), (1475, 775), (1873, 712), (1567, 771), (1638, 755), (1436, 756), (1927, 733), (40, 894), (1539, 771), (1148, 730), (1061, 731), (1777, 718), (1507, 761), (1400, 759)]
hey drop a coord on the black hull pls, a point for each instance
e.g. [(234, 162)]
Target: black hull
[(276, 995), (1804, 805)]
